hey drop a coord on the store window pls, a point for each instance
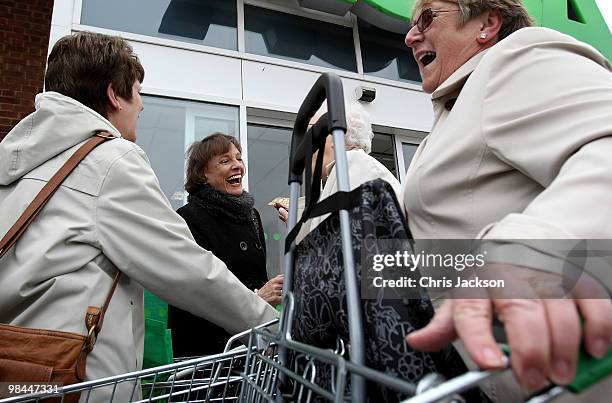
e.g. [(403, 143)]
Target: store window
[(384, 54), (382, 150), (211, 22), (268, 168), (303, 40), (167, 127), (408, 150)]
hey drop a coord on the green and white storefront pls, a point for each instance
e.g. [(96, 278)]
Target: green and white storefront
[(244, 66)]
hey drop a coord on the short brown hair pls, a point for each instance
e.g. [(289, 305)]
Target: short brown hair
[(201, 152), (513, 12), (82, 65)]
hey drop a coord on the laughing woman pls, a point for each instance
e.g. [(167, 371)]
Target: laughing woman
[(222, 219), (519, 149)]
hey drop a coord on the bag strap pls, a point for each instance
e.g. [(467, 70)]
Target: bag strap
[(93, 322), (94, 316), (335, 202), (41, 199)]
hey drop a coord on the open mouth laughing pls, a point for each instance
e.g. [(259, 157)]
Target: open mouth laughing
[(234, 180), (426, 57)]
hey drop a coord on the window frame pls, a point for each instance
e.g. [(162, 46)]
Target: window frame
[(413, 137), (267, 114), (349, 20), (346, 22)]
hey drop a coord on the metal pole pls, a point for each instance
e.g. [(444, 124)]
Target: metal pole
[(357, 354), (294, 194)]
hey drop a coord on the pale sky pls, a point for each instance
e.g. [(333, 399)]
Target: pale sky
[(605, 6)]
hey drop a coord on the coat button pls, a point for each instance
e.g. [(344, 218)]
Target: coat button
[(243, 245)]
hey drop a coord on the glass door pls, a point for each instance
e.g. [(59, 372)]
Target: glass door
[(267, 170)]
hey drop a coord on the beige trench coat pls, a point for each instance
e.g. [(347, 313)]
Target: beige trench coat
[(521, 147), (109, 215)]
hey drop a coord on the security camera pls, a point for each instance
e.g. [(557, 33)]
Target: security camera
[(365, 94)]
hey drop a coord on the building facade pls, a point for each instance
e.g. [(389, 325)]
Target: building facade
[(243, 67)]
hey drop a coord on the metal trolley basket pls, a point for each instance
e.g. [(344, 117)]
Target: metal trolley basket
[(274, 367), (210, 378)]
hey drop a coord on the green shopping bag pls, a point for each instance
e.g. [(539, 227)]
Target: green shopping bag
[(158, 339)]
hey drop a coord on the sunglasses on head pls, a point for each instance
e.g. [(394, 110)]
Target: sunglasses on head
[(426, 18)]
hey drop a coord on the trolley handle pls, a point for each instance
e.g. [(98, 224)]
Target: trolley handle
[(589, 371), (328, 86)]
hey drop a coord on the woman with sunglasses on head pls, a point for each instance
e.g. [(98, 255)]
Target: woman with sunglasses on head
[(520, 148), (222, 219)]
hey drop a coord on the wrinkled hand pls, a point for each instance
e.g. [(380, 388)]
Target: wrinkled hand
[(283, 214), (544, 334), (272, 291)]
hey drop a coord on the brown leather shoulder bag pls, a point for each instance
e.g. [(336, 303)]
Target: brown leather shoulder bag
[(40, 355)]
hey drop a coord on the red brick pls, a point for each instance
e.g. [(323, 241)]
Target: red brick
[(10, 114), (24, 37), (24, 109), (9, 100)]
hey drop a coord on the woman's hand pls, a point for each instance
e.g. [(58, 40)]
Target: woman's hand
[(283, 214), (272, 291), (544, 331)]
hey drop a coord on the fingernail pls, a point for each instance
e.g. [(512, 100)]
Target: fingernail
[(492, 358), (534, 379), (562, 373), (599, 348), (411, 336)]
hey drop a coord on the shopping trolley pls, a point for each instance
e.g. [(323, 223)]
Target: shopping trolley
[(265, 369), (275, 368), (211, 378), (290, 375), (245, 374)]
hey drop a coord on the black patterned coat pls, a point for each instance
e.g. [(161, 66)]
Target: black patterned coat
[(321, 310)]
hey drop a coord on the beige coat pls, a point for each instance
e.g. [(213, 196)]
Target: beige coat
[(524, 152), (109, 215)]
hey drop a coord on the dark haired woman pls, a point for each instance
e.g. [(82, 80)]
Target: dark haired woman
[(222, 219)]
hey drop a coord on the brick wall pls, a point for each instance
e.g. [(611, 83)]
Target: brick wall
[(24, 38)]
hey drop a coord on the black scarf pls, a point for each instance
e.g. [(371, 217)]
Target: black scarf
[(237, 208)]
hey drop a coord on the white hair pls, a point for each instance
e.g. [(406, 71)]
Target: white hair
[(359, 132)]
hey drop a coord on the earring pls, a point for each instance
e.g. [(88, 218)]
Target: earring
[(483, 35)]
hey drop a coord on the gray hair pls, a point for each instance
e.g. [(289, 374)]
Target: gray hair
[(359, 132), (513, 13)]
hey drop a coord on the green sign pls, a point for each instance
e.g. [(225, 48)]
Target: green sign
[(578, 18)]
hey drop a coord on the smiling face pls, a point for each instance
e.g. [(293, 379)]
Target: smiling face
[(225, 171), (443, 46)]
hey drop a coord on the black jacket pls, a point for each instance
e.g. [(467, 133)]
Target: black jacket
[(243, 250)]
